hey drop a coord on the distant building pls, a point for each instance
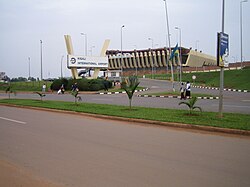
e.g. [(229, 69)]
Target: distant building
[(149, 58), (157, 59)]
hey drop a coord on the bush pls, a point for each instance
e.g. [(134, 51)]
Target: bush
[(56, 85), (83, 84)]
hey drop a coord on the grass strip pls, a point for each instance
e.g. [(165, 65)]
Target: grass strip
[(229, 120)]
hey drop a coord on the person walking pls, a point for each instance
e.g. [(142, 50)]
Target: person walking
[(75, 87), (188, 90), (105, 82), (182, 91), (61, 90), (43, 88)]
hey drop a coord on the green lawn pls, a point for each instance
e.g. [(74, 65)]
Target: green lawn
[(25, 86), (236, 79), (230, 120)]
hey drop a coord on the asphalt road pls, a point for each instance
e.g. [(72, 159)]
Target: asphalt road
[(234, 102), (80, 151)]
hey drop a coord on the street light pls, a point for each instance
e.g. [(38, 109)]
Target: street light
[(152, 71), (91, 50), (86, 43), (169, 44), (61, 67), (41, 45), (29, 68), (121, 51), (244, 1), (180, 53)]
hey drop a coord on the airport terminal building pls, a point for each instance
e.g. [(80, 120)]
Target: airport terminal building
[(148, 60)]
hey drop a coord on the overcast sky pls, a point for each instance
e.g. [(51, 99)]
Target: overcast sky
[(25, 22)]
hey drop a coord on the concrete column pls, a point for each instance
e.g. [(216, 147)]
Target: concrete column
[(159, 58), (155, 59), (142, 59), (146, 59), (163, 56)]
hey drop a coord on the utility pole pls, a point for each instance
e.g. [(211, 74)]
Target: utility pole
[(222, 68), (41, 42), (121, 52), (169, 44), (29, 68)]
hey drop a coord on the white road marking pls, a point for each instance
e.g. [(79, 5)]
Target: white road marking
[(12, 120), (246, 100)]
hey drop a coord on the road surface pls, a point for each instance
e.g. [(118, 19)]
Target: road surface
[(233, 102), (75, 150)]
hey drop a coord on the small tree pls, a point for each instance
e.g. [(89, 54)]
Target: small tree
[(129, 85), (191, 102), (9, 91), (41, 95), (77, 97)]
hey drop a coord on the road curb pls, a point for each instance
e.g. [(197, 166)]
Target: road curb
[(225, 89), (177, 97), (149, 122), (109, 93)]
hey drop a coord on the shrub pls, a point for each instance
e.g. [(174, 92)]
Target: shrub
[(56, 85), (87, 84)]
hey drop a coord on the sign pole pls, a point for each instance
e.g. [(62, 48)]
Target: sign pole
[(221, 69)]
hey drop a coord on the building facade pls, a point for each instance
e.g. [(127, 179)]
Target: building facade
[(150, 60)]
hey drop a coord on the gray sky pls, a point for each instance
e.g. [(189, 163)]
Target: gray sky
[(25, 22)]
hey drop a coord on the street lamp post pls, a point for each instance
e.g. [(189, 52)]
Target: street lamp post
[(91, 50), (61, 66), (121, 52), (241, 47), (29, 68), (169, 44), (86, 43), (152, 71), (41, 46), (180, 54)]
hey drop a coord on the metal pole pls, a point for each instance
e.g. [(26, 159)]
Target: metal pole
[(180, 54), (29, 68), (121, 52), (86, 43), (61, 67), (41, 42), (169, 45), (241, 47), (222, 68)]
